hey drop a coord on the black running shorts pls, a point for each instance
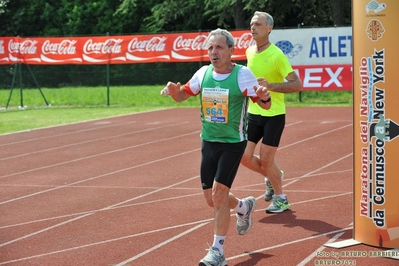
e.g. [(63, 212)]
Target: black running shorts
[(220, 162), (268, 128)]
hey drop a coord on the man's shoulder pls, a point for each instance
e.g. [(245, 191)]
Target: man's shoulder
[(276, 50), (244, 69), (203, 70)]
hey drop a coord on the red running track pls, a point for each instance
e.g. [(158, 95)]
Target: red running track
[(126, 191)]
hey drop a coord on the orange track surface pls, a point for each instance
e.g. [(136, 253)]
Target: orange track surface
[(126, 191)]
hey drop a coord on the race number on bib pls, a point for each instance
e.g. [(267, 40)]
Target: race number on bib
[(215, 103)]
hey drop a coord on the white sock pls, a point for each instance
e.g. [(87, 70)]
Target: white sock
[(282, 196), (218, 242), (241, 207)]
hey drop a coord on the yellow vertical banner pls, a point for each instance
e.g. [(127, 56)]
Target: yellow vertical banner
[(375, 121)]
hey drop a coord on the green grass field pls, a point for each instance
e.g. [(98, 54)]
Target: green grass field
[(75, 104)]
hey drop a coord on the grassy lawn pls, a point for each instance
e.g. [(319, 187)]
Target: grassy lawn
[(70, 105)]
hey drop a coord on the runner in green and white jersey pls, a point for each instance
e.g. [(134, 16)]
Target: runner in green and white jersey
[(224, 89)]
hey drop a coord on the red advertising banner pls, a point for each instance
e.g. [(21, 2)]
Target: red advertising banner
[(178, 47), (184, 47), (325, 77)]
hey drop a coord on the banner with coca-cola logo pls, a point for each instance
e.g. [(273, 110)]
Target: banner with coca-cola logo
[(321, 57), (185, 47)]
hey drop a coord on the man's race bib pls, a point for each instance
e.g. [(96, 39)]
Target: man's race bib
[(215, 104)]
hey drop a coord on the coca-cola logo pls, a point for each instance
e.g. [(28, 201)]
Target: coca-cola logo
[(65, 47), (1, 47), (110, 46), (25, 47), (244, 41), (194, 44), (155, 44)]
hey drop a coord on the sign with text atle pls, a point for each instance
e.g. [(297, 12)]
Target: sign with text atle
[(376, 122)]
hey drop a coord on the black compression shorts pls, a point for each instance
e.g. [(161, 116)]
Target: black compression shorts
[(220, 162), (268, 128)]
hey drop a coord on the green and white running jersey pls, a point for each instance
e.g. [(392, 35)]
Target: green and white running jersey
[(223, 108)]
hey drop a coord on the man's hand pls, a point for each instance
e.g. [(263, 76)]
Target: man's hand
[(262, 92), (263, 82), (176, 91), (171, 89)]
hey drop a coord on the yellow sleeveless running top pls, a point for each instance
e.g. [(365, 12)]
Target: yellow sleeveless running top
[(273, 65)]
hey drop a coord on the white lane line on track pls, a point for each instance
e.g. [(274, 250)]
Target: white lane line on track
[(86, 130), (314, 136), (317, 170), (107, 241), (98, 176), (44, 167), (161, 244), (63, 134), (289, 243), (99, 154), (311, 200), (124, 202), (314, 253), (335, 194), (81, 130), (293, 124), (44, 191), (102, 209), (165, 229), (88, 141), (250, 186)]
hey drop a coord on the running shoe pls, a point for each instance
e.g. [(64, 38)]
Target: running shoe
[(244, 221), (278, 205), (269, 188), (213, 258)]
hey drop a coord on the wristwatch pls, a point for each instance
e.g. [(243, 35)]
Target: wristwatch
[(268, 100)]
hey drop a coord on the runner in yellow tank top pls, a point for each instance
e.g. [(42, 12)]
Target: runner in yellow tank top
[(272, 68), (273, 64)]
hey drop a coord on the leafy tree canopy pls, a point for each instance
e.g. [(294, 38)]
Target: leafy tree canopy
[(78, 17)]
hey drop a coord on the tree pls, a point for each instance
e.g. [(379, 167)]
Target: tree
[(3, 5), (341, 12), (78, 17), (178, 15), (70, 17), (229, 14)]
